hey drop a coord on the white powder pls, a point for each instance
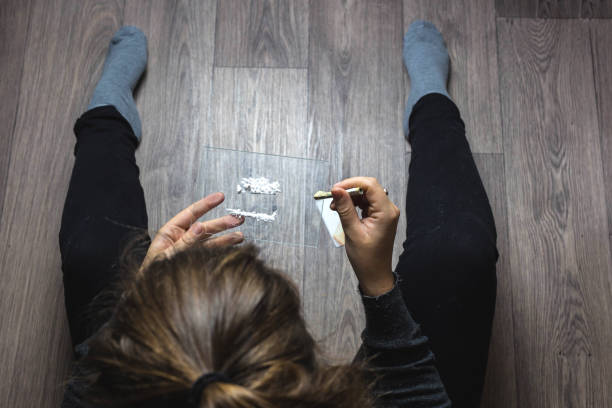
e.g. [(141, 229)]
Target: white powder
[(258, 185), (258, 216)]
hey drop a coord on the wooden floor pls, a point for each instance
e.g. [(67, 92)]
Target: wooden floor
[(323, 79)]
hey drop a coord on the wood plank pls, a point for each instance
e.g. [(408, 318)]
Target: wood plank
[(596, 9), (469, 31), (559, 248), (554, 8), (601, 31), (264, 111), (288, 259), (64, 54), (516, 8), (173, 100), (266, 33), (13, 30), (332, 305), (500, 383), (356, 103), (559, 8), (259, 110)]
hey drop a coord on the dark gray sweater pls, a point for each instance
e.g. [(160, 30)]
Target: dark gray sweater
[(402, 358)]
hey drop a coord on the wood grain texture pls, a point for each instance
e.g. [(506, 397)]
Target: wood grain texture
[(173, 100), (332, 304), (259, 110), (596, 9), (554, 8), (13, 32), (516, 8), (468, 29), (265, 33), (355, 105), (558, 8), (601, 32), (288, 259), (559, 248), (500, 383), (64, 53)]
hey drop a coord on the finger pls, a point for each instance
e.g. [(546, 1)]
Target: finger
[(346, 210), (374, 193), (189, 215), (225, 240), (221, 224), (201, 231), (358, 200)]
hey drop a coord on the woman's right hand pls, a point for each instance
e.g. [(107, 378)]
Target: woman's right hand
[(369, 240)]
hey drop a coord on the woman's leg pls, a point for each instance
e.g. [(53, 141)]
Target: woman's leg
[(447, 269), (104, 208), (105, 205)]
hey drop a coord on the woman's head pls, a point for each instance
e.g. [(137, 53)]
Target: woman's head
[(214, 310)]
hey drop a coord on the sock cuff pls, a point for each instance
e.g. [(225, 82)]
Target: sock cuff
[(105, 113), (442, 105), (432, 106)]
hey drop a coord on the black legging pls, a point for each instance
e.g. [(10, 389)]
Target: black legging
[(447, 269), (104, 209)]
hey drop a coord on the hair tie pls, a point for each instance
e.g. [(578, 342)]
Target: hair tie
[(198, 386)]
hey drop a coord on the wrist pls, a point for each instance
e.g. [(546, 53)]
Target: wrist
[(383, 283)]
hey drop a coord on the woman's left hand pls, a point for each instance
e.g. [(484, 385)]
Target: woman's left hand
[(185, 230)]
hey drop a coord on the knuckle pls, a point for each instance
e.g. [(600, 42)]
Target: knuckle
[(343, 212), (211, 243), (193, 213), (165, 236), (189, 239)]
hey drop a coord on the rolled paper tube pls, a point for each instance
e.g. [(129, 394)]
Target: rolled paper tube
[(321, 195)]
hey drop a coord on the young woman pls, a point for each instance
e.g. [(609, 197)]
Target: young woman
[(199, 322)]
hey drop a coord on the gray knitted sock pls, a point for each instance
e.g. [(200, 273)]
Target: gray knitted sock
[(125, 63), (427, 61)]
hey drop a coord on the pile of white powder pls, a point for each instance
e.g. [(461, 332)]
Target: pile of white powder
[(258, 185)]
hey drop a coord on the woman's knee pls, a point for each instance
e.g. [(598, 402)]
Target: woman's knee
[(468, 248), (469, 239), (90, 248)]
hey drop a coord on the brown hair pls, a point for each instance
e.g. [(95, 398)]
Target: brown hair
[(214, 310)]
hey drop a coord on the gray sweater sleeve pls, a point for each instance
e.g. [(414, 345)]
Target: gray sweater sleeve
[(401, 358)]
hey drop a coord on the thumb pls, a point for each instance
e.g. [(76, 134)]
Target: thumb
[(345, 208)]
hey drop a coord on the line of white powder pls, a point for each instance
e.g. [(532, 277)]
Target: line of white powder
[(258, 216)]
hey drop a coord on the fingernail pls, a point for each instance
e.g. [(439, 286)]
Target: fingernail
[(239, 235), (196, 228)]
